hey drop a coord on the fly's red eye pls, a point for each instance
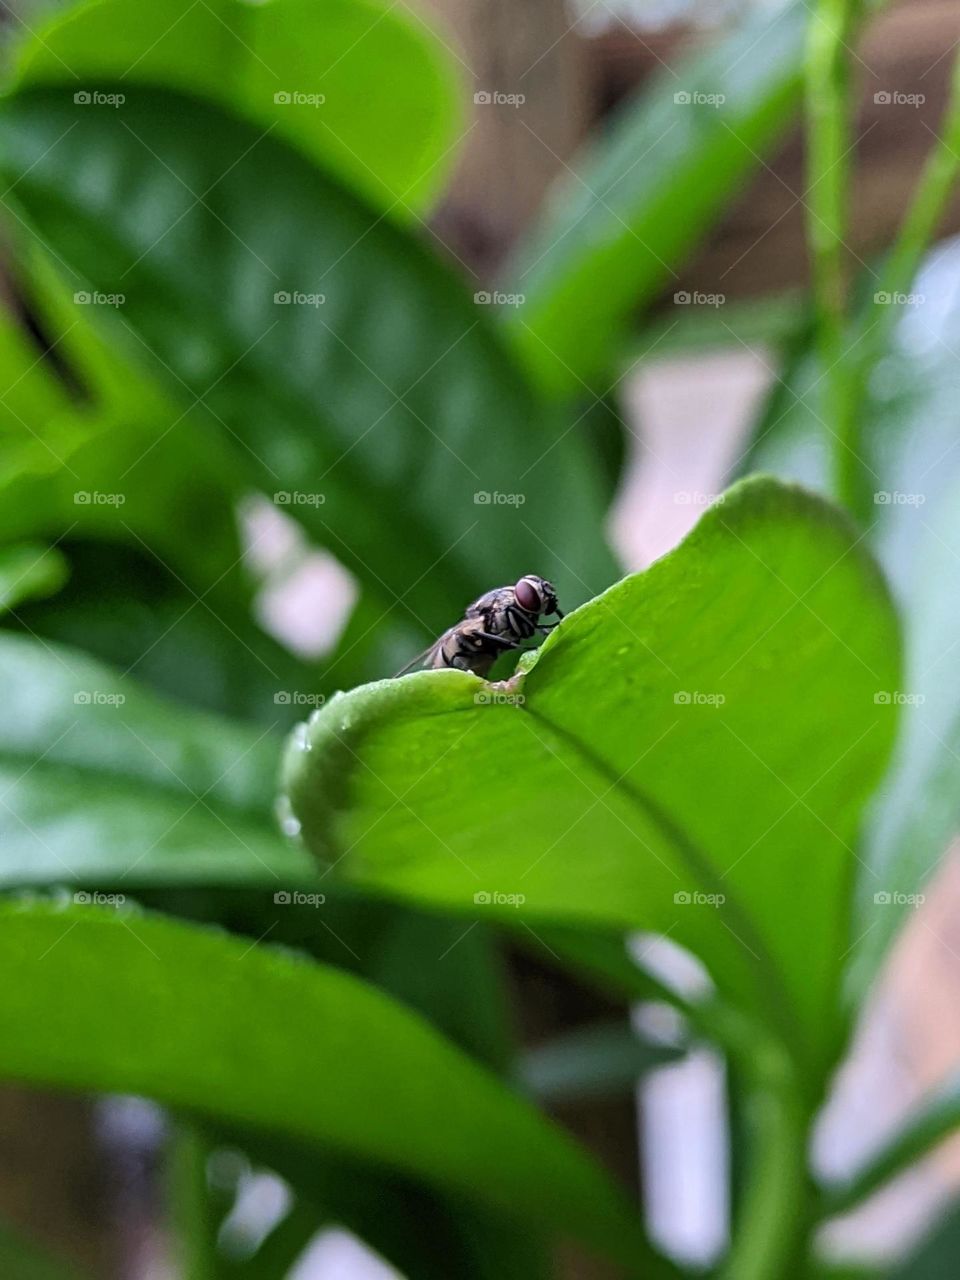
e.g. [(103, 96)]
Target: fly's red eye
[(528, 597)]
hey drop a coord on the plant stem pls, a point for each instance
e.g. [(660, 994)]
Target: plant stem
[(828, 201), (190, 1203), (926, 211), (775, 1216)]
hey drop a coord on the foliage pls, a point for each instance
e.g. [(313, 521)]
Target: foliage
[(231, 299)]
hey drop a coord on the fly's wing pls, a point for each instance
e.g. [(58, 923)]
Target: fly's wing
[(481, 606), (427, 658)]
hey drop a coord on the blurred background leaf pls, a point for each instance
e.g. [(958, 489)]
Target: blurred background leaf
[(386, 123)]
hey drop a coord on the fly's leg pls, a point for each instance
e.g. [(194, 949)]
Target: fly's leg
[(502, 641)]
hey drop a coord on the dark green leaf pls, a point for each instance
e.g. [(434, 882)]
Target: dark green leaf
[(389, 120), (391, 401)]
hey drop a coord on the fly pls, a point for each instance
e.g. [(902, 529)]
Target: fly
[(492, 624), (516, 611)]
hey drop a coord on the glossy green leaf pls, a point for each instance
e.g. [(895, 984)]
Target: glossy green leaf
[(106, 785), (645, 195), (92, 449), (708, 727), (281, 1044), (387, 417), (363, 88)]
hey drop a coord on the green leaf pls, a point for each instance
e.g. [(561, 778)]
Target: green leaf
[(28, 570), (708, 726), (914, 469), (106, 785), (285, 1045), (646, 195), (102, 453), (390, 117), (392, 400), (377, 1206)]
